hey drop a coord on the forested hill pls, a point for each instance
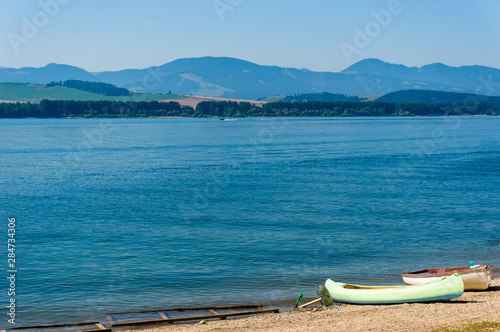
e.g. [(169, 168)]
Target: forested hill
[(435, 97), (94, 87)]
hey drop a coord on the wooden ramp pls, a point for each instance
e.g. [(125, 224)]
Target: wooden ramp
[(166, 316), (184, 315)]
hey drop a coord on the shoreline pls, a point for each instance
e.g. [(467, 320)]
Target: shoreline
[(473, 307), (265, 117)]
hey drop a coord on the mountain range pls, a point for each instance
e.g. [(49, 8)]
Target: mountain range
[(239, 79)]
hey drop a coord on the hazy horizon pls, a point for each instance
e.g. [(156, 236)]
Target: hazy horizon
[(320, 35)]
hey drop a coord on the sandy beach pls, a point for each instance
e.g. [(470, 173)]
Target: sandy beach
[(193, 101), (11, 101), (470, 308)]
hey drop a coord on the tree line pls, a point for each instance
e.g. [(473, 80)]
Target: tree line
[(62, 108), (92, 109), (94, 87), (342, 108)]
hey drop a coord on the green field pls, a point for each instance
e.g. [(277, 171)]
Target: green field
[(25, 92)]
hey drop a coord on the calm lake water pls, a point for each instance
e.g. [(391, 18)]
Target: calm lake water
[(134, 214)]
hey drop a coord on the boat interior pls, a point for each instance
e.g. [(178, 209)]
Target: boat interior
[(348, 286)]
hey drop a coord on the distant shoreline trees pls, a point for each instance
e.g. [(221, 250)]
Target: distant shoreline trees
[(118, 109), (92, 109), (341, 109), (94, 87)]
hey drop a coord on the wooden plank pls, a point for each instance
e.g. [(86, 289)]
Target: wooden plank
[(213, 312), (163, 315), (47, 326), (248, 306), (99, 330), (157, 321), (181, 319), (109, 319), (100, 326)]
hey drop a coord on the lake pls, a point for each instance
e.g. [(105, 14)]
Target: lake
[(134, 214)]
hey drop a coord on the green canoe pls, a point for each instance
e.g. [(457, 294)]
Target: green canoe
[(443, 289)]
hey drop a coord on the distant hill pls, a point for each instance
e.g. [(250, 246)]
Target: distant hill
[(36, 92), (44, 75), (234, 78), (239, 79), (468, 79), (324, 96), (435, 97)]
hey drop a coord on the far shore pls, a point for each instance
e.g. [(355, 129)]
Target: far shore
[(474, 310), (256, 117)]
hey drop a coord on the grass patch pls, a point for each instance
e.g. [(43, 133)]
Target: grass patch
[(35, 92), (480, 327)]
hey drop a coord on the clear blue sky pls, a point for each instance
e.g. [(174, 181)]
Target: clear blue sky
[(102, 35)]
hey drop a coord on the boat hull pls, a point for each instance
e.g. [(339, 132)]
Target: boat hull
[(475, 278), (446, 288)]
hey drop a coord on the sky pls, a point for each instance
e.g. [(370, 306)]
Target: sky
[(320, 35)]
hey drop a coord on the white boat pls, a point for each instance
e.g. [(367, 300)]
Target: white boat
[(476, 277)]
